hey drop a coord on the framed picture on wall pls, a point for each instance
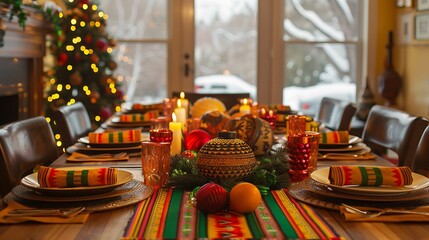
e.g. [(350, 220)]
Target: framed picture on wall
[(422, 5), (421, 27)]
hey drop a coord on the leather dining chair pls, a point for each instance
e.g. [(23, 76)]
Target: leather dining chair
[(24, 145), (421, 158), (73, 123), (336, 114), (392, 129)]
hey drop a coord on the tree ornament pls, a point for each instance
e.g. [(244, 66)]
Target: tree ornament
[(101, 44), (112, 65), (88, 38), (105, 113), (196, 138), (62, 59), (94, 95), (75, 78), (254, 131), (77, 56), (94, 58), (211, 198)]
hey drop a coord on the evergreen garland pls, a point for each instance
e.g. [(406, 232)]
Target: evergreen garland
[(270, 172)]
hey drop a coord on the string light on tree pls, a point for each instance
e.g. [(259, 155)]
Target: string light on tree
[(83, 70)]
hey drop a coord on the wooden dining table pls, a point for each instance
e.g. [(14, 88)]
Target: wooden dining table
[(111, 224)]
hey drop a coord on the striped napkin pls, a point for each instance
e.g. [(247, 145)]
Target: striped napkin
[(334, 137), (138, 117), (126, 136), (139, 106), (370, 176), (60, 178)]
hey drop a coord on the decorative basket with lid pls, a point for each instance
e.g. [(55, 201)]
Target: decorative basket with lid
[(225, 157)]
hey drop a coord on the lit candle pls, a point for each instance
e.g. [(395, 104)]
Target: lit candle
[(245, 107), (184, 102), (176, 144), (180, 112)]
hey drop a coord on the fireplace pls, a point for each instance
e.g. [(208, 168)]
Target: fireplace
[(21, 67)]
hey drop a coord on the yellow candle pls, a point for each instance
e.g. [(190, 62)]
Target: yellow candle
[(180, 112), (184, 102), (176, 144), (245, 107)]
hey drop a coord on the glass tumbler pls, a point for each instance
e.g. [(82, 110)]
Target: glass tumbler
[(295, 124), (155, 163), (299, 151), (314, 153)]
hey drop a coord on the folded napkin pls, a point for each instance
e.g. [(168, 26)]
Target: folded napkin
[(79, 157), (370, 176), (138, 117), (80, 218), (60, 178), (139, 106), (391, 217), (334, 137), (115, 137)]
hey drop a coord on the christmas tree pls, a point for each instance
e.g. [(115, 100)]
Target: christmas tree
[(83, 69)]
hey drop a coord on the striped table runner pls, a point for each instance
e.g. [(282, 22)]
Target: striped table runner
[(168, 215)]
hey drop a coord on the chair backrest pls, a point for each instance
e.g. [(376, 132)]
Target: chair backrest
[(421, 158), (336, 114), (229, 99), (389, 128), (73, 123), (24, 145)]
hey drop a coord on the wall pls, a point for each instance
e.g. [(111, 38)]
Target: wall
[(409, 55)]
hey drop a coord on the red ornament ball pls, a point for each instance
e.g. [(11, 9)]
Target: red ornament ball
[(101, 44), (211, 198), (62, 59), (196, 138)]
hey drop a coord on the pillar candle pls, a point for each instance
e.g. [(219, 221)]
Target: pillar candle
[(245, 107), (184, 102), (180, 112), (176, 144)]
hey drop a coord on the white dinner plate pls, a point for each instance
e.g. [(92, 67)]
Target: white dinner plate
[(419, 182), (352, 140), (31, 182), (85, 141), (349, 148)]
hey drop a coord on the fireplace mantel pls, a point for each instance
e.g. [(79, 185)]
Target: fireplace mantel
[(21, 61)]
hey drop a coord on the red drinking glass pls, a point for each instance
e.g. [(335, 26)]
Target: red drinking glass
[(161, 135)]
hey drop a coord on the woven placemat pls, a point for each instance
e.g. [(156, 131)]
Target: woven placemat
[(317, 194)]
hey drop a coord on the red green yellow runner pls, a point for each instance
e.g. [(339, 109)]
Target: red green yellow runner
[(167, 214)]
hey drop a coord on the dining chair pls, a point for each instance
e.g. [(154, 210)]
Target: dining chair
[(73, 123), (336, 114), (24, 145), (393, 129), (421, 158), (229, 99)]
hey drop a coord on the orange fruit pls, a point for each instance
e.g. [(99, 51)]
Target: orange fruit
[(244, 197)]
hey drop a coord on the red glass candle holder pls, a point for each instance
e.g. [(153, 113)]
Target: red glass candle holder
[(299, 151), (161, 135), (269, 116)]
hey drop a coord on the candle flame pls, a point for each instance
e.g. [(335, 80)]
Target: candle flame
[(173, 116), (179, 103), (263, 111), (271, 113), (245, 101), (182, 95)]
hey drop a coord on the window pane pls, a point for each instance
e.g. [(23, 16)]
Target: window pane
[(142, 64), (143, 71), (313, 71), (225, 46), (321, 20), (136, 19)]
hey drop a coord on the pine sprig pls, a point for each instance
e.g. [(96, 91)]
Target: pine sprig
[(271, 172)]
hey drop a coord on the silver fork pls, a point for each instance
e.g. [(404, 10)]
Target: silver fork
[(376, 213), (45, 212)]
